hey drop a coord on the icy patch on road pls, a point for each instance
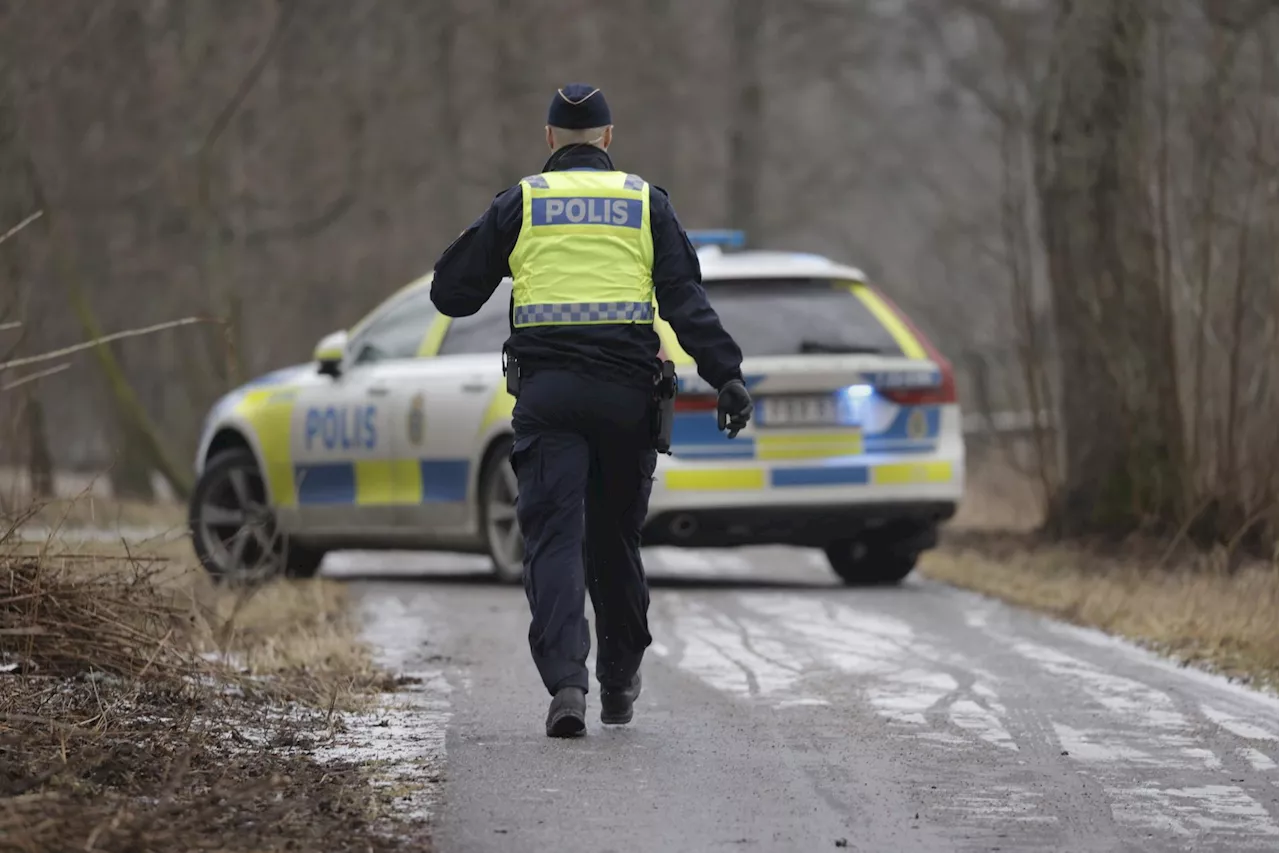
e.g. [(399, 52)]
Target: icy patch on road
[(1146, 742), (1257, 760), (1000, 804), (972, 717), (403, 564), (692, 563), (1225, 810), (1138, 704), (403, 742), (402, 739), (1237, 727), (769, 649), (1264, 701), (905, 696), (733, 657), (1095, 746), (803, 703), (1139, 713)]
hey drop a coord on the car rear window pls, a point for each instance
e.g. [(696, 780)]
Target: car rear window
[(797, 316)]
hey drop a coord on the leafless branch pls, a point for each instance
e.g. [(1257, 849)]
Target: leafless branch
[(105, 339), (23, 224), (229, 110), (32, 377)]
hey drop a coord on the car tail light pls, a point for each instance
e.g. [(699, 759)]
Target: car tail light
[(690, 401), (695, 402), (940, 394), (944, 393)]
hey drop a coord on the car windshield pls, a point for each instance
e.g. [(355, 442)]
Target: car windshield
[(396, 331), (484, 331), (797, 316)]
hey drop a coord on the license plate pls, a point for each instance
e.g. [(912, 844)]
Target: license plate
[(798, 411)]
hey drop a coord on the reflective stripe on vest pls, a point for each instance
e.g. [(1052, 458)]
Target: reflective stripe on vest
[(585, 251)]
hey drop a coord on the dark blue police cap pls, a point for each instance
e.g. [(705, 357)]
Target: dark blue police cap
[(578, 107)]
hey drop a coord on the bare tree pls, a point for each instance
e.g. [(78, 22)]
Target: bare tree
[(1121, 419), (746, 125), (19, 209)]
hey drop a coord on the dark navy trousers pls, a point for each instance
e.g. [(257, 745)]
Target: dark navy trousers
[(584, 458)]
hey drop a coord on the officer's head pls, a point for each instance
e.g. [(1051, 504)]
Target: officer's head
[(579, 115)]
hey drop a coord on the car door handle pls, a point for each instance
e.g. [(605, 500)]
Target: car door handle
[(474, 387), (379, 391)]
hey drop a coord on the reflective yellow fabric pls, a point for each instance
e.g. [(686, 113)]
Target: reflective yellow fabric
[(585, 251)]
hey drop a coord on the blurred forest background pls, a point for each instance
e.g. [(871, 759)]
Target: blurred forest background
[(1077, 200)]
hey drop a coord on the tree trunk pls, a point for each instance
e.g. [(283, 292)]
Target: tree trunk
[(1121, 424), (746, 140), (663, 88), (449, 122), (131, 469), (39, 459), (139, 432), (510, 71)]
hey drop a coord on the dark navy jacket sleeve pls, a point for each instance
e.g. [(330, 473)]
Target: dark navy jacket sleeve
[(682, 301), (470, 269)]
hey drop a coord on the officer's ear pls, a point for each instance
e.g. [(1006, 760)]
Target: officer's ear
[(607, 139), (551, 139)]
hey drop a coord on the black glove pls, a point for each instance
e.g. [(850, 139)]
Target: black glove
[(733, 407)]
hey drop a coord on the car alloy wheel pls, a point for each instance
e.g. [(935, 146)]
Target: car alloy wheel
[(498, 508), (231, 522)]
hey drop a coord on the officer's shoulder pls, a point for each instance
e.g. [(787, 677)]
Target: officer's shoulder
[(661, 190), (506, 198)]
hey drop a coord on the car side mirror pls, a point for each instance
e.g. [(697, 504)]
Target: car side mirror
[(330, 352)]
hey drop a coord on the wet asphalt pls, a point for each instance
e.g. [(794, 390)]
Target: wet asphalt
[(783, 712)]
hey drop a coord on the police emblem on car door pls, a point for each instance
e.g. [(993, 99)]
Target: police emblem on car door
[(417, 419)]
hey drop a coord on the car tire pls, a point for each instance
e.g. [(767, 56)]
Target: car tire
[(301, 561), (233, 527), (878, 561), (498, 524)]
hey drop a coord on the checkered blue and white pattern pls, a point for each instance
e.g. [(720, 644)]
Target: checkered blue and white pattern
[(584, 312)]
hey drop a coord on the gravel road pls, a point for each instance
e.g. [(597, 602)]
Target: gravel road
[(783, 712)]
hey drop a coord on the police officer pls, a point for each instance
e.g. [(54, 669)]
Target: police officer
[(588, 248)]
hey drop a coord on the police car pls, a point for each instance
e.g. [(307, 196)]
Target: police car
[(396, 436)]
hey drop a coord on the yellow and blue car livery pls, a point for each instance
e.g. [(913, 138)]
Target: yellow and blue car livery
[(895, 437), (397, 472)]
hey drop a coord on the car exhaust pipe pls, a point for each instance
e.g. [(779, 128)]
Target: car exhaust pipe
[(683, 526)]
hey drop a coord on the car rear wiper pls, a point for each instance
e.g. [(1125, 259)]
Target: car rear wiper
[(809, 347)]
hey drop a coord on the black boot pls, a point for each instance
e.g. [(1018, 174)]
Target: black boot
[(567, 716), (617, 704)]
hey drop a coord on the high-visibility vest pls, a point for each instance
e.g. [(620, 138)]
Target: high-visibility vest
[(585, 251)]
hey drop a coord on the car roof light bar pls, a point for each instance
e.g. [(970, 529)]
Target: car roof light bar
[(723, 237)]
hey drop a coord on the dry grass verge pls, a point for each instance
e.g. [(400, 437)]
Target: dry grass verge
[(1195, 608), (142, 709), (97, 513)]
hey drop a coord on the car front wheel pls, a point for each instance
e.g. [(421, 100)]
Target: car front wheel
[(233, 527), (502, 537)]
